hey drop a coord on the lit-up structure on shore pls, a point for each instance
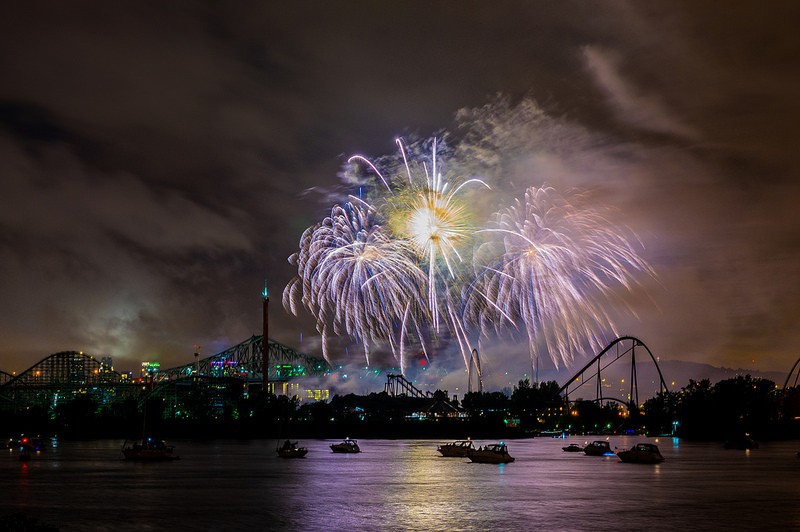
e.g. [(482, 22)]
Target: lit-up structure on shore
[(69, 374), (65, 376)]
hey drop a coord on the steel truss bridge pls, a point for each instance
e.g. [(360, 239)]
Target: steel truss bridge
[(245, 361), (70, 374), (591, 373)]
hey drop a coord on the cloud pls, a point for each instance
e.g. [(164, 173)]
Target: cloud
[(98, 256), (632, 106), (154, 157)]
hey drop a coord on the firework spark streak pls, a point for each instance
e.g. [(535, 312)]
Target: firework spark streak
[(353, 276), (429, 213), (548, 271)]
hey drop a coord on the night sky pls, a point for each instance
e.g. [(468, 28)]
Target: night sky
[(161, 159)]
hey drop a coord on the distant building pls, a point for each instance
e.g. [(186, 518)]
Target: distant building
[(149, 369), (318, 395)]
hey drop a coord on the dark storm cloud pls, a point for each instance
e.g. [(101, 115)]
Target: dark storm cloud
[(722, 191), (157, 158)]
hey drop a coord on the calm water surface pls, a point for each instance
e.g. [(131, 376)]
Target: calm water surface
[(405, 485)]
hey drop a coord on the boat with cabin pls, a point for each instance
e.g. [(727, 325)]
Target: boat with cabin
[(290, 449), (641, 453), (494, 453), (346, 446), (149, 450), (598, 448), (457, 449), (742, 443)]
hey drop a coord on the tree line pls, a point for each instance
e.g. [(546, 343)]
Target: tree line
[(700, 411)]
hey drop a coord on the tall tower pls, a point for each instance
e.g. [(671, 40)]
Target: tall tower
[(265, 361)]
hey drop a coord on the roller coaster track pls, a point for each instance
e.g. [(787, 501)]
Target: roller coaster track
[(794, 371), (622, 346), (73, 372), (5, 377), (397, 385), (64, 369)]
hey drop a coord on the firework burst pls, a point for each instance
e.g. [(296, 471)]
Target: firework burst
[(426, 208), (353, 277), (547, 270), (396, 268)]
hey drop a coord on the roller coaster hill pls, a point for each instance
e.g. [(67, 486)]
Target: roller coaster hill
[(216, 384), (227, 388), (222, 379)]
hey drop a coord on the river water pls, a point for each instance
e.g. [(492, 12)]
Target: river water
[(405, 485)]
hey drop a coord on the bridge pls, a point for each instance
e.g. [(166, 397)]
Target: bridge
[(245, 361), (623, 347)]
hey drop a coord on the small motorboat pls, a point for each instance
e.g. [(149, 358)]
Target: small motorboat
[(459, 448), (743, 443), (347, 446), (494, 453), (572, 448), (34, 444), (598, 448), (289, 449), (28, 447), (25, 453), (149, 450), (641, 453)]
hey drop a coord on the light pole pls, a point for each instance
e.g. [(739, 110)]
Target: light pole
[(265, 361)]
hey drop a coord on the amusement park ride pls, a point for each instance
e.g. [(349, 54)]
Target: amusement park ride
[(68, 374)]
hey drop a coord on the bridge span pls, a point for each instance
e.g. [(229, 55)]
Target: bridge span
[(245, 361)]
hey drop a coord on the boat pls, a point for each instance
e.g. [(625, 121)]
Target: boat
[(641, 453), (289, 449), (598, 448), (149, 450), (35, 444), (28, 447), (459, 448), (743, 443), (572, 448), (347, 446), (494, 453), (26, 452)]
